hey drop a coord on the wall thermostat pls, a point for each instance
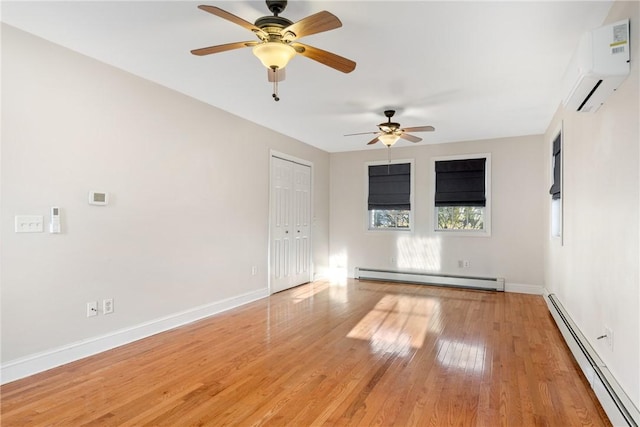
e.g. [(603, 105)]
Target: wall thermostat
[(98, 198)]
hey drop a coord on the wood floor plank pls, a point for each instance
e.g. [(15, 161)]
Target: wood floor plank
[(364, 353)]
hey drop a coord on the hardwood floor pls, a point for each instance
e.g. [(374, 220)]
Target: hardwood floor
[(366, 353)]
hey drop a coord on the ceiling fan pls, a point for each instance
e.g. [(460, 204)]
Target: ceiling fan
[(277, 40), (389, 132)]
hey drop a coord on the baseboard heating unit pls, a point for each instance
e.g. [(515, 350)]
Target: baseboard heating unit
[(619, 408), (494, 284)]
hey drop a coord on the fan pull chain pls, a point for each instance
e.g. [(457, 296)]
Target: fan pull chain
[(388, 160), (275, 84)]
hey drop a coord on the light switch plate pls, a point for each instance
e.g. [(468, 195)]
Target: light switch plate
[(29, 223)]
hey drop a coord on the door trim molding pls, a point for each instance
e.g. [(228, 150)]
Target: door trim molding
[(289, 158)]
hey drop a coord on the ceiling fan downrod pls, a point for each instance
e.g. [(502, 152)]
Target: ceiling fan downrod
[(276, 6)]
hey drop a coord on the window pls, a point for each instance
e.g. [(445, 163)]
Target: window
[(556, 186), (461, 196), (389, 196)]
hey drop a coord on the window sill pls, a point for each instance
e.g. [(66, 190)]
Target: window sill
[(464, 233), (393, 230)]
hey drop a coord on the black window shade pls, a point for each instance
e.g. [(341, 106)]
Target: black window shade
[(555, 189), (460, 182), (390, 186)]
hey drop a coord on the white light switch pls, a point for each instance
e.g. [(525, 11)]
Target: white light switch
[(29, 223)]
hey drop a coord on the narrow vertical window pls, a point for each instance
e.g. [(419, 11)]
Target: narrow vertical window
[(389, 198), (556, 186)]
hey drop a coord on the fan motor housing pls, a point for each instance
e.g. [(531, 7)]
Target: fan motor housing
[(391, 126), (274, 24), (272, 21)]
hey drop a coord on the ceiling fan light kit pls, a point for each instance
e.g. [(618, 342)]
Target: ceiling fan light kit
[(274, 55), (389, 139), (277, 36)]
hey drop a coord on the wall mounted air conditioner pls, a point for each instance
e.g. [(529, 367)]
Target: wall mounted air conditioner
[(598, 67)]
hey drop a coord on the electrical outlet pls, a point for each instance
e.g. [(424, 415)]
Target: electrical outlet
[(107, 306), (92, 308), (460, 263), (466, 263), (393, 260), (254, 270)]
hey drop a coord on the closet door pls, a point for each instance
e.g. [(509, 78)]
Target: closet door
[(301, 256), (290, 224)]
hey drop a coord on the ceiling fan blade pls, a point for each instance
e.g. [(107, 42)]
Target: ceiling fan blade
[(363, 133), (420, 129), (327, 58), (236, 20), (277, 75), (410, 137), (373, 141), (222, 48), (313, 24)]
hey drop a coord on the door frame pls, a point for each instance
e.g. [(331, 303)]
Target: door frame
[(303, 162)]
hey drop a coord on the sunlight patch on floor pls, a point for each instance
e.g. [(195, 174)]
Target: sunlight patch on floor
[(397, 323)]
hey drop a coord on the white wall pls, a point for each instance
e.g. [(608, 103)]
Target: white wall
[(514, 250), (189, 212), (595, 272)]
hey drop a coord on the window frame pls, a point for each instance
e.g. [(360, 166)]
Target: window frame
[(556, 206), (486, 232), (367, 212)]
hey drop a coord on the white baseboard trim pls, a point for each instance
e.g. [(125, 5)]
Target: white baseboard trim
[(521, 288), (39, 362), (616, 403)]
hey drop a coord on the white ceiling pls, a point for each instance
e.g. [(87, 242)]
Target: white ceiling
[(474, 70)]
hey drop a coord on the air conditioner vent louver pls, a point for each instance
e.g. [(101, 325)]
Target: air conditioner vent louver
[(586, 100)]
